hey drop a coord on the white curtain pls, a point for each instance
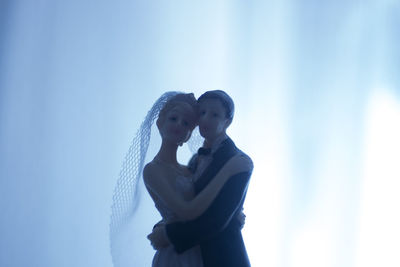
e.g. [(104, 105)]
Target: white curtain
[(317, 92)]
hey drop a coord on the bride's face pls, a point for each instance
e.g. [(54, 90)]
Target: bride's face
[(177, 124)]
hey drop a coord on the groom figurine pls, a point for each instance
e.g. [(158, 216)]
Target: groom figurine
[(218, 229)]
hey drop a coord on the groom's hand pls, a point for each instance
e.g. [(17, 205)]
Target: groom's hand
[(158, 238)]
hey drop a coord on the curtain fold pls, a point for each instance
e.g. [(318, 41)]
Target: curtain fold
[(317, 96)]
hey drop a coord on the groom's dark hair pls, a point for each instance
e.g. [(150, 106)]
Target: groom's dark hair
[(223, 97)]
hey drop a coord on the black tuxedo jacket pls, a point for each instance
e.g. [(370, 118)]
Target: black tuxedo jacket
[(217, 230)]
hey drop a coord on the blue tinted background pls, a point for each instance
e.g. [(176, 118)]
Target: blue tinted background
[(317, 92)]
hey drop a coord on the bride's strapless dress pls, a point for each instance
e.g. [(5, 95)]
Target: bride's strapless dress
[(167, 257)]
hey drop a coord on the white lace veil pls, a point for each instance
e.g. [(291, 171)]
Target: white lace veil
[(124, 228)]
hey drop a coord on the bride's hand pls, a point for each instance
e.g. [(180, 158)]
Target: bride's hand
[(239, 163), (241, 217)]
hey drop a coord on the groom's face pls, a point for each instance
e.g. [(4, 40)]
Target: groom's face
[(212, 118)]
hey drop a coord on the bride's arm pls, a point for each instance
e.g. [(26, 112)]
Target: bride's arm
[(187, 210), (237, 164)]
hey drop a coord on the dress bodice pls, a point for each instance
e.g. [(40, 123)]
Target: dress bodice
[(167, 256)]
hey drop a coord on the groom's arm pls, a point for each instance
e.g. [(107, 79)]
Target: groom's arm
[(184, 235)]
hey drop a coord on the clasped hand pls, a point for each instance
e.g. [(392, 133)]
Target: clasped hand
[(158, 238)]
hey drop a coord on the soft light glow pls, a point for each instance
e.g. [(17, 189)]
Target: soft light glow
[(77, 78), (379, 220)]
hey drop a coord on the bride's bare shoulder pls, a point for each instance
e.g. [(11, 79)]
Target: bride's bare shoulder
[(150, 170)]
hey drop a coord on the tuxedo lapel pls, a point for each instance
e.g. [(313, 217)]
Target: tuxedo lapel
[(220, 157)]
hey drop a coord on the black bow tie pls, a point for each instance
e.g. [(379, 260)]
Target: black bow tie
[(204, 151)]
